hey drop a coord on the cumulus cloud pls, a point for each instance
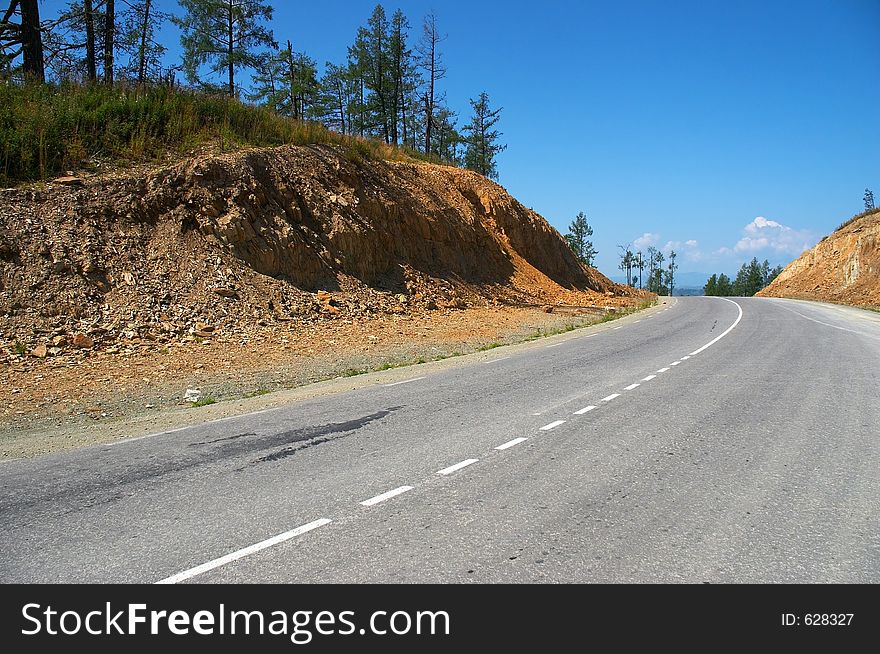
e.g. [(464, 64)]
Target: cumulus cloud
[(681, 245), (690, 249), (762, 234), (645, 241)]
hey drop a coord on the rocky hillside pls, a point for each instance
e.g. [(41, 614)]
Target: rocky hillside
[(227, 242), (844, 267)]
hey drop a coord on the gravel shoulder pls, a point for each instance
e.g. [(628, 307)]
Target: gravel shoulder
[(51, 406)]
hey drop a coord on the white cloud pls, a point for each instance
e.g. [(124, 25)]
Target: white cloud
[(681, 245), (645, 241), (762, 234)]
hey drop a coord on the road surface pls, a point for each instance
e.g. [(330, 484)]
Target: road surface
[(707, 440)]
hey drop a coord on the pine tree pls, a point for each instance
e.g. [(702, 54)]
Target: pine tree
[(401, 71), (869, 200), (224, 34), (22, 39), (711, 287), (578, 239), (724, 286), (482, 139)]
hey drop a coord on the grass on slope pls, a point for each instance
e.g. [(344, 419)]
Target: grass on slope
[(46, 129)]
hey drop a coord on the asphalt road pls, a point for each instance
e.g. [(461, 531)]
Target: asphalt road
[(755, 459)]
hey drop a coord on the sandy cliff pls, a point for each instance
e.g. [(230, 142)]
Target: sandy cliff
[(844, 267)]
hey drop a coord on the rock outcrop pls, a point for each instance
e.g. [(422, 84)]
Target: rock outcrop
[(266, 235), (843, 268)]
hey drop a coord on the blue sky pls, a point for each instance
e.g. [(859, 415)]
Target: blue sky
[(724, 129)]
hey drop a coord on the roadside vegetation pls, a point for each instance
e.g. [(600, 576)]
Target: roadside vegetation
[(752, 278), (91, 83)]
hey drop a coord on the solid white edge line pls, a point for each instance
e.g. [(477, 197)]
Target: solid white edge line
[(685, 358), (386, 496), (585, 410), (632, 387), (613, 396), (247, 551), (407, 381), (553, 425), (458, 466), (729, 329), (649, 378), (509, 444)]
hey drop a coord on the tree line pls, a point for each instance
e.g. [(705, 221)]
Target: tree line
[(651, 270), (388, 88), (751, 278)]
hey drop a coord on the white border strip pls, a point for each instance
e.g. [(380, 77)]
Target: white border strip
[(729, 329)]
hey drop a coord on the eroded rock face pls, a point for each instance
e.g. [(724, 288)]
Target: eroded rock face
[(844, 267), (252, 236)]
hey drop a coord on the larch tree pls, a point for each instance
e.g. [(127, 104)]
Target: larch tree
[(482, 138), (226, 35)]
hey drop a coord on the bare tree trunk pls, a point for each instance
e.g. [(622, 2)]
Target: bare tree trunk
[(32, 40), (291, 79), (142, 55), (231, 48), (109, 36), (91, 63)]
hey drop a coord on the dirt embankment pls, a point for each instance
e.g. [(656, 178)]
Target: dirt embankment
[(843, 268), (119, 292)]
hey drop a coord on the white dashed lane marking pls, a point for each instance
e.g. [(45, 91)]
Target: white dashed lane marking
[(649, 378), (585, 410), (662, 370), (458, 466), (553, 425), (509, 444), (632, 387), (610, 397), (675, 364), (386, 496)]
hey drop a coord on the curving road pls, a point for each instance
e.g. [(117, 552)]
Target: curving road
[(754, 459)]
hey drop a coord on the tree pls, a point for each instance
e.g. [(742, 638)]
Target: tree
[(869, 200), (91, 56), (579, 233), (24, 38), (640, 266), (656, 275), (482, 140), (400, 57), (446, 139), (670, 272), (431, 61), (336, 100), (627, 262), (711, 287), (224, 34), (109, 36), (724, 287)]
